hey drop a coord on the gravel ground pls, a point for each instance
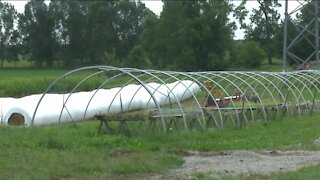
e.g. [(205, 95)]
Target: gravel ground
[(245, 162)]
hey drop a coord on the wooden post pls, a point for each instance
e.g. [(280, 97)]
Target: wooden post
[(313, 101), (242, 110)]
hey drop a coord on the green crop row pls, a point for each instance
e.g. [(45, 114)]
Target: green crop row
[(22, 82)]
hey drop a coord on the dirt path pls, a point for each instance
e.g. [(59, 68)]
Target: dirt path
[(245, 162)]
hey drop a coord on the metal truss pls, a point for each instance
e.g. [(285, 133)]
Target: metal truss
[(309, 33), (248, 97)]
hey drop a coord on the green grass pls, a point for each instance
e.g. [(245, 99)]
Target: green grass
[(265, 66), (17, 64), (275, 67), (75, 151), (22, 82)]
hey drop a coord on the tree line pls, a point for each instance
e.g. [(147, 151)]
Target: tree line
[(188, 35)]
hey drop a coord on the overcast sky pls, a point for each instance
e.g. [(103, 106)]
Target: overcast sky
[(156, 7)]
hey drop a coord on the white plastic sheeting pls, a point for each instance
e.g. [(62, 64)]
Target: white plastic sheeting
[(56, 108)]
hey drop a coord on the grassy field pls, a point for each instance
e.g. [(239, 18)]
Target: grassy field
[(275, 67), (21, 82), (75, 151)]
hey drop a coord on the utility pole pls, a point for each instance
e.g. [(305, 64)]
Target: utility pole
[(316, 18), (285, 38)]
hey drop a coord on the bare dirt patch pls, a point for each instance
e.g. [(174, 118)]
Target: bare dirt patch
[(245, 162)]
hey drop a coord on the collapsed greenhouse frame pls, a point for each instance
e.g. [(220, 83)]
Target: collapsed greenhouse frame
[(243, 97)]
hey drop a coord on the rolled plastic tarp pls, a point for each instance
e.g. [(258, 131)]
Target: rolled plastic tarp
[(61, 108)]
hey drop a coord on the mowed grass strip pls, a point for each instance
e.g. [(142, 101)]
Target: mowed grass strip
[(75, 150)]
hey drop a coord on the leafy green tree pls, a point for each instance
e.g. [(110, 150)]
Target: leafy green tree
[(216, 32), (59, 11), (149, 39), (174, 28), (36, 25), (101, 34), (263, 26), (137, 58), (76, 32), (111, 59), (130, 17), (240, 13), (8, 34), (170, 37), (190, 35), (250, 55), (86, 30)]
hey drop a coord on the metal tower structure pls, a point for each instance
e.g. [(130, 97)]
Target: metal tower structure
[(305, 33)]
